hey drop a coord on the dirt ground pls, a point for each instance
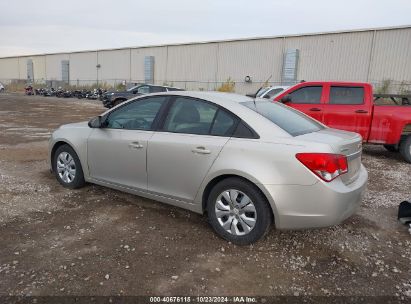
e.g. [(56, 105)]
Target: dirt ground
[(98, 241)]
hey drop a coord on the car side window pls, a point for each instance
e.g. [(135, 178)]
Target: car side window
[(137, 115), (346, 95), (244, 131), (224, 124), (158, 89), (143, 90), (306, 95), (188, 115)]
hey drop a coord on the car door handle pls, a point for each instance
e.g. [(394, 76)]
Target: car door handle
[(315, 109), (135, 145), (361, 111), (201, 150)]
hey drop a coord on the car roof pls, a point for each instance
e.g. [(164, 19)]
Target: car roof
[(152, 85), (232, 102), (219, 98), (277, 87), (331, 82)]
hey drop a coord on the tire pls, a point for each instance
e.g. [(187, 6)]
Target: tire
[(405, 149), (68, 160), (228, 216), (391, 148)]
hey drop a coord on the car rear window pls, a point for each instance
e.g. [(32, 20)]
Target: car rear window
[(346, 95), (288, 119)]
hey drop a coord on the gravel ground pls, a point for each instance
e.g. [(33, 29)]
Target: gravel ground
[(98, 241)]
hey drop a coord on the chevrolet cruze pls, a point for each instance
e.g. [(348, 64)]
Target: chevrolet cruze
[(246, 163)]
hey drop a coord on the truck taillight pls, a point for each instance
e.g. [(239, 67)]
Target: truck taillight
[(325, 165)]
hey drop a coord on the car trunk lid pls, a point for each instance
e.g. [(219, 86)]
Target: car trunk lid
[(342, 142)]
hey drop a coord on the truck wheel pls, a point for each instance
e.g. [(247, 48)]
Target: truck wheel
[(405, 149), (391, 148)]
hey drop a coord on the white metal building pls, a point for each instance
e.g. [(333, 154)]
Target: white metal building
[(371, 55)]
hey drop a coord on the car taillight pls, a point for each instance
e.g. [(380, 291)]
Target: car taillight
[(325, 165)]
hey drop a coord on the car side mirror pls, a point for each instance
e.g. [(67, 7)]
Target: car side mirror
[(286, 99), (96, 122), (267, 96), (135, 92)]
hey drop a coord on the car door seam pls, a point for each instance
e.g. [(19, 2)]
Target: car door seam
[(208, 170)]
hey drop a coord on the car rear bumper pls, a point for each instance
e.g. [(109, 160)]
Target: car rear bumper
[(319, 205)]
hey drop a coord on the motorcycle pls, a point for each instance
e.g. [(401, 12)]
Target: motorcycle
[(28, 90)]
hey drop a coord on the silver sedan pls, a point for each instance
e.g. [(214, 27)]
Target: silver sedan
[(246, 163)]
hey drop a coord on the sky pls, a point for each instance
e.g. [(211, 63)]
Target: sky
[(49, 26)]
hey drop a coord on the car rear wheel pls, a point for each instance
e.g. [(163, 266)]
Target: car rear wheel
[(238, 211), (405, 149), (391, 148), (67, 167)]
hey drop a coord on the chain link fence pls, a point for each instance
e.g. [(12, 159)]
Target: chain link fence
[(386, 86)]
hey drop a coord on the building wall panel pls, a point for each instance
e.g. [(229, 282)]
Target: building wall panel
[(192, 66), (9, 69), (83, 70), (53, 65), (333, 56), (369, 55), (259, 59), (391, 58), (160, 63), (114, 65), (39, 67)]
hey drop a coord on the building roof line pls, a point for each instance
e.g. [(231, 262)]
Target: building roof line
[(220, 41)]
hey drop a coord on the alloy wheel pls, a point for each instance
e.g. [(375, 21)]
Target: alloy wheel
[(235, 212), (66, 167)]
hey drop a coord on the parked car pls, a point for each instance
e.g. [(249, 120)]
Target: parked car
[(2, 89), (270, 92), (245, 163), (350, 106), (113, 98)]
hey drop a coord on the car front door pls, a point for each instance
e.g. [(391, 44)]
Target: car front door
[(308, 99), (183, 150), (117, 152)]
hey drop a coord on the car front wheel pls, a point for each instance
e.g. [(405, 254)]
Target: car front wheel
[(67, 167), (238, 211)]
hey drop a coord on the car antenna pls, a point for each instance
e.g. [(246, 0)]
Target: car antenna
[(255, 96)]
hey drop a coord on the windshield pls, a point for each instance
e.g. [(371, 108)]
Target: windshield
[(288, 119), (262, 91), (132, 89)]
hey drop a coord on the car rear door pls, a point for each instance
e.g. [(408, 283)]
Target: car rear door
[(117, 153), (307, 99), (182, 151), (347, 108)]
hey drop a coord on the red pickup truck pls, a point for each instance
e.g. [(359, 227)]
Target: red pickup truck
[(350, 106)]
